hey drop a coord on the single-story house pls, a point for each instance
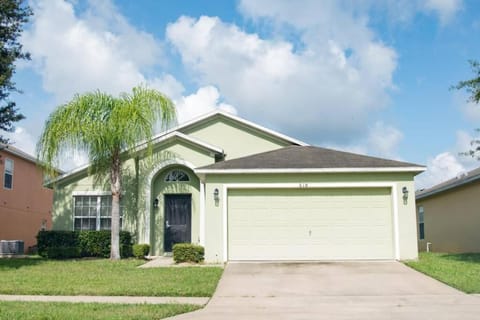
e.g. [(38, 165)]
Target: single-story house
[(448, 215), (246, 192), (25, 204)]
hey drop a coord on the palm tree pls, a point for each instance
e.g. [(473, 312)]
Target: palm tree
[(107, 128)]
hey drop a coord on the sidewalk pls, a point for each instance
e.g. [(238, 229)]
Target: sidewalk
[(108, 299)]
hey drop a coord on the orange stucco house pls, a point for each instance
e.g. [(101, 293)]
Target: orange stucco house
[(25, 204)]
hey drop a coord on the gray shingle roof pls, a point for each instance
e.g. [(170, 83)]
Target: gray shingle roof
[(306, 157), (458, 181)]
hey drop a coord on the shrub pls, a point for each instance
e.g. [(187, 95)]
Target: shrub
[(75, 244), (188, 252), (58, 244), (140, 250)]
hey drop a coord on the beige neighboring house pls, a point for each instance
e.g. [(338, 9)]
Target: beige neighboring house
[(25, 204), (246, 192), (448, 215)]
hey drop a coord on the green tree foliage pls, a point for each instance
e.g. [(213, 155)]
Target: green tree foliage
[(13, 15), (472, 86), (107, 128)]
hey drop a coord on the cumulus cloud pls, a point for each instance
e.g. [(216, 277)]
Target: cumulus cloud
[(97, 50), (323, 92), (205, 100), (382, 140), (442, 167), (448, 164)]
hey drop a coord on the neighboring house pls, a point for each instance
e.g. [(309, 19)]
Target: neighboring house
[(249, 193), (25, 204), (448, 215)]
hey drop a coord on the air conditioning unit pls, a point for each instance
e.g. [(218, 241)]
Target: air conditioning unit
[(11, 247)]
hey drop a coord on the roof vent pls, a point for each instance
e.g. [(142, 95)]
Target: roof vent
[(461, 175)]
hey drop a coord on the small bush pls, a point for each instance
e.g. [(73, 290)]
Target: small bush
[(140, 250), (75, 244), (188, 252)]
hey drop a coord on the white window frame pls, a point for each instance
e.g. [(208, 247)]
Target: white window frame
[(421, 222), (176, 176), (98, 215), (7, 171)]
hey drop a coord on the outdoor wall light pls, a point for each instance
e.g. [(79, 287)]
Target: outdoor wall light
[(155, 203), (405, 193), (216, 194)]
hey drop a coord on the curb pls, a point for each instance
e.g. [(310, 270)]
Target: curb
[(108, 299)]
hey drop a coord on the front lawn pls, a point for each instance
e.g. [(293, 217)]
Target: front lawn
[(97, 277), (13, 310), (461, 271)]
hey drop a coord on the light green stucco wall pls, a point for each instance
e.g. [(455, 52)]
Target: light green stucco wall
[(235, 139), (214, 210), (138, 177)]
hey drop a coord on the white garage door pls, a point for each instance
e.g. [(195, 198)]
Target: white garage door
[(310, 224)]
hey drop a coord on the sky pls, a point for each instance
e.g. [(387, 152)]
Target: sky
[(370, 77)]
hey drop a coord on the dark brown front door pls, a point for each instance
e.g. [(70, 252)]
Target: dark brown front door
[(178, 219)]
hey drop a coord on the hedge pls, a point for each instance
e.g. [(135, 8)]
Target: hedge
[(188, 252), (76, 244), (140, 250)]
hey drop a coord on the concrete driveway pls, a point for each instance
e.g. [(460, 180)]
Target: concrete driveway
[(339, 290)]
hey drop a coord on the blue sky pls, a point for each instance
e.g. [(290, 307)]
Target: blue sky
[(368, 76)]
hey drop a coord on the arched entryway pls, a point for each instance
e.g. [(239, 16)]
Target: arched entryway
[(174, 216)]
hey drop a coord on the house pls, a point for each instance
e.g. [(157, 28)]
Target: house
[(246, 192), (448, 217), (25, 204)]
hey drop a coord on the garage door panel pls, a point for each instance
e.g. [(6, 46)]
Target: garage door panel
[(310, 224)]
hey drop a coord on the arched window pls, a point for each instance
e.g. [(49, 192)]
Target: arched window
[(177, 175)]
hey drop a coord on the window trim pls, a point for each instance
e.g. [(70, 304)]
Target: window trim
[(173, 181), (421, 223), (98, 214), (10, 173)]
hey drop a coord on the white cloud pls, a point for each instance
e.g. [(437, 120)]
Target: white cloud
[(98, 50), (327, 89), (205, 100), (448, 164), (381, 140), (445, 9), (22, 139), (440, 168)]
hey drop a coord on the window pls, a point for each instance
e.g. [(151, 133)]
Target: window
[(421, 223), (93, 212), (8, 174), (177, 175)]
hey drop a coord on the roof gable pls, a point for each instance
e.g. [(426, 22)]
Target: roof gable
[(308, 158)]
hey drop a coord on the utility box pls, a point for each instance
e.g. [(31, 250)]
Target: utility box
[(11, 247)]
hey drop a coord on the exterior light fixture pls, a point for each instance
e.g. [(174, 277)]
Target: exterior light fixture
[(155, 203), (405, 193), (216, 194)]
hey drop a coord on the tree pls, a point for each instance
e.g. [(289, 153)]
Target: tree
[(12, 18), (473, 88), (107, 128), (473, 85)]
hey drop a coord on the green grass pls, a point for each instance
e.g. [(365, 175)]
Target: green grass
[(38, 276), (94, 311), (461, 271)]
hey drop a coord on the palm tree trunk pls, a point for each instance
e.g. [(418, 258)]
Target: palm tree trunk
[(115, 216)]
